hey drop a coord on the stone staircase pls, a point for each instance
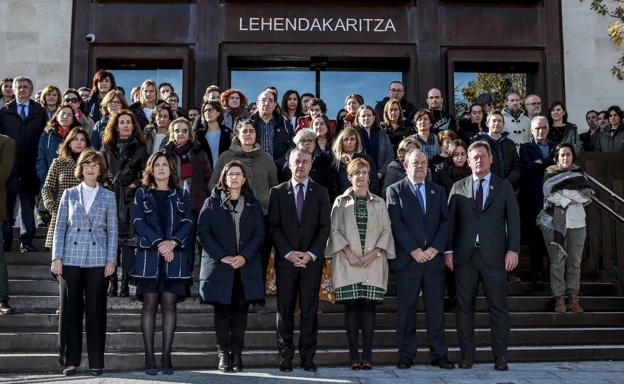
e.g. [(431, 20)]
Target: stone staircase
[(28, 338)]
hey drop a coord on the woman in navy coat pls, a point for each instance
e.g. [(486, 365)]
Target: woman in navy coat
[(231, 232), (164, 254)]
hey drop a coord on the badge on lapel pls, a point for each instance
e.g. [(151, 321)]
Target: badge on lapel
[(432, 192)]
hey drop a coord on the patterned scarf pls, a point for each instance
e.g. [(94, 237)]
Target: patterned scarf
[(235, 212)]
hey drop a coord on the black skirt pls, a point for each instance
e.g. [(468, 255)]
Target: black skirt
[(162, 284)]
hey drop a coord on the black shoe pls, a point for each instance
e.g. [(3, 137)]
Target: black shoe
[(96, 371), (466, 363), (224, 362), (151, 371), (443, 363), (286, 365), (167, 371), (308, 366), (500, 364), (69, 371), (237, 362), (405, 362), (124, 291), (27, 248)]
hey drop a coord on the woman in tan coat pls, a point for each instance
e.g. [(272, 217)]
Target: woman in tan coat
[(360, 245)]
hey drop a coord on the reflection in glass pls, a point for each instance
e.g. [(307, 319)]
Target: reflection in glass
[(336, 85), (251, 83), (129, 78)]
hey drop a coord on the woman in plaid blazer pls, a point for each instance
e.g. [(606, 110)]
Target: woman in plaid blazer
[(61, 175), (84, 254)]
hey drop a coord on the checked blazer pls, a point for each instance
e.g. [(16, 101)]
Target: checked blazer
[(60, 177), (84, 239)]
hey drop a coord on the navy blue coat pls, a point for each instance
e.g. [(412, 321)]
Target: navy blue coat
[(149, 234), (414, 229), (47, 151), (217, 236), (534, 173)]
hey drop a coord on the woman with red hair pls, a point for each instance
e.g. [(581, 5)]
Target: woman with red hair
[(234, 104), (103, 82)]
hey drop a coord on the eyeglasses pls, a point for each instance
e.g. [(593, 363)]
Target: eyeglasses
[(535, 103), (396, 90), (181, 130), (73, 100), (90, 165), (306, 141), (114, 102)]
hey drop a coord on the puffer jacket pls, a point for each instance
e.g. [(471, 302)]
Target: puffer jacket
[(47, 151), (611, 140)]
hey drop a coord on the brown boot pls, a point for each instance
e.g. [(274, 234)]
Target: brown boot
[(560, 305), (574, 305)]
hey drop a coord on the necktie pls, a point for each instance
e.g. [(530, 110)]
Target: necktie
[(299, 201), (22, 112), (420, 198), (479, 196)]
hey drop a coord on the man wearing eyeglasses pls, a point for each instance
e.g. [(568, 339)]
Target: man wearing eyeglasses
[(23, 121), (533, 105), (396, 91)]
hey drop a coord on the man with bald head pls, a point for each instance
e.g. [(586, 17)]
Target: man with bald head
[(274, 131), (441, 119)]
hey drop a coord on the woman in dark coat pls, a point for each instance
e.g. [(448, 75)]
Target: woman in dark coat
[(164, 257), (103, 82), (231, 232), (347, 147), (214, 136), (125, 153), (114, 101), (395, 126)]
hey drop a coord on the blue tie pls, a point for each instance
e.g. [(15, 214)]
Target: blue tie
[(420, 198), (23, 112)]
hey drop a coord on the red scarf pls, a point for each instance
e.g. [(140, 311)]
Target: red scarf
[(62, 131)]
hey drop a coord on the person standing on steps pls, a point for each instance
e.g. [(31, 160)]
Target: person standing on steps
[(483, 245), (164, 255), (84, 254), (7, 156)]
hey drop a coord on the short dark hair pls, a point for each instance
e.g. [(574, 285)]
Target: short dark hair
[(484, 99), (166, 84), (307, 94), (591, 111), (396, 82), (319, 102), (559, 147), (617, 110)]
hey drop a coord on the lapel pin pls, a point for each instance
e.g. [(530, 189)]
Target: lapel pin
[(491, 188), (432, 192)]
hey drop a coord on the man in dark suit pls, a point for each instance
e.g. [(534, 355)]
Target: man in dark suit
[(536, 156), (23, 121), (299, 223), (419, 217), (484, 243)]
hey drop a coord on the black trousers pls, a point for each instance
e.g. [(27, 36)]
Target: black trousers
[(231, 320), (305, 283), (360, 314), (495, 286), (428, 278), (76, 282)]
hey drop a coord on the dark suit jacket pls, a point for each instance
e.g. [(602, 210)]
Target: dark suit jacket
[(534, 172), (411, 227), (500, 211), (290, 235)]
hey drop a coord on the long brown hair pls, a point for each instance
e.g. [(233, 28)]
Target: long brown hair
[(222, 185), (54, 124), (111, 133), (64, 150), (148, 180)]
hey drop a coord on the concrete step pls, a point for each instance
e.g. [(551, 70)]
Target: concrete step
[(28, 258), (126, 361), (48, 304), (130, 322), (38, 242), (32, 287), (327, 339)]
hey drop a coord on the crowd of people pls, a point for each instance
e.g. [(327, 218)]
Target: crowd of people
[(131, 188)]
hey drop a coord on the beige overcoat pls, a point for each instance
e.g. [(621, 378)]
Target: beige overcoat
[(344, 232)]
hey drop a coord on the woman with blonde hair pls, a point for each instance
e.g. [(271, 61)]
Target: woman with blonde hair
[(148, 99), (360, 245), (347, 147), (394, 124), (50, 99)]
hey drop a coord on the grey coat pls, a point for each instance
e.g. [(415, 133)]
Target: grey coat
[(611, 140)]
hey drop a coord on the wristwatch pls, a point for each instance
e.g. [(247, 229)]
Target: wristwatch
[(379, 253)]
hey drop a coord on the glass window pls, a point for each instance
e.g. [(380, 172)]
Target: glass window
[(469, 85), (371, 85), (252, 82), (129, 78)]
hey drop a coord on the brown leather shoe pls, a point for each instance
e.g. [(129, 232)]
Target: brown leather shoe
[(574, 305), (5, 308), (560, 305)]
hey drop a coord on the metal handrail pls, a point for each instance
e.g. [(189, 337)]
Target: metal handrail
[(608, 209), (605, 189)]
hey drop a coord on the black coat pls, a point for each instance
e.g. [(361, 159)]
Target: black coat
[(396, 135), (224, 141), (287, 233), (446, 179), (533, 177), (139, 115), (323, 172), (409, 110), (282, 141), (505, 160), (124, 169), (92, 106), (342, 180), (26, 135), (217, 236)]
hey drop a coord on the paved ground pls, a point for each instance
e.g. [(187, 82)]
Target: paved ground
[(607, 372)]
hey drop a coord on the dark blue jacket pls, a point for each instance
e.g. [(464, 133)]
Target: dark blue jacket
[(534, 172), (47, 150), (149, 234), (98, 133), (412, 228), (216, 234)]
